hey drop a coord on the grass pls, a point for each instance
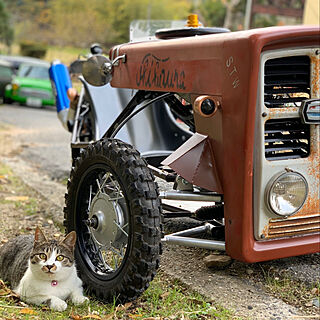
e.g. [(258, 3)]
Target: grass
[(166, 298), (293, 291), (16, 187), (65, 54)]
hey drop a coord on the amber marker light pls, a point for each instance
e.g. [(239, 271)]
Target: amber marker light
[(193, 21)]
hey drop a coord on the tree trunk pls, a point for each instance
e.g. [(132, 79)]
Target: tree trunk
[(230, 5)]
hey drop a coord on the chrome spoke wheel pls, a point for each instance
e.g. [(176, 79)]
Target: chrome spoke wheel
[(107, 222), (112, 204)]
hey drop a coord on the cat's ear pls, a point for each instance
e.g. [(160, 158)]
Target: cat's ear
[(39, 236), (70, 239)]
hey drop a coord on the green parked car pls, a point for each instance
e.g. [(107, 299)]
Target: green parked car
[(31, 86)]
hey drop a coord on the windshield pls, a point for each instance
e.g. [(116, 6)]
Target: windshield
[(32, 71), (142, 30)]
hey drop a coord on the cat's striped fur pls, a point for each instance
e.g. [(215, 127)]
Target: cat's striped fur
[(42, 271)]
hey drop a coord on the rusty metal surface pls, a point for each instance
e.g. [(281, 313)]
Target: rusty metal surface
[(194, 161), (306, 220), (315, 74), (225, 66), (278, 228)]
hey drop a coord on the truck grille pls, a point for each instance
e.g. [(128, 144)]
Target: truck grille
[(293, 226), (286, 81), (35, 93), (286, 139)]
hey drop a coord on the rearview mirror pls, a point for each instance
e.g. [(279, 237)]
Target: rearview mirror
[(97, 70)]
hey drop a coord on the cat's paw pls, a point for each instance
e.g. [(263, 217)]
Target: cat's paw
[(79, 299), (57, 304)]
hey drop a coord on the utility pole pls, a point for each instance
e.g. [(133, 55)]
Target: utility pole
[(247, 17)]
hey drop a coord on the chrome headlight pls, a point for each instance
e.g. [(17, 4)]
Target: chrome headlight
[(286, 193)]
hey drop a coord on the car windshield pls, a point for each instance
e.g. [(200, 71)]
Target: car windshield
[(5, 71), (32, 71)]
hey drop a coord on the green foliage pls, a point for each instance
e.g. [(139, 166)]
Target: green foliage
[(214, 12), (32, 49), (122, 12), (262, 20), (6, 32), (79, 23)]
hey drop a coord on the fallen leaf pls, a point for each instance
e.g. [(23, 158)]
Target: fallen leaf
[(165, 295), (124, 307), (135, 316), (92, 316), (75, 316), (118, 308), (4, 292), (17, 198), (3, 180), (27, 311), (195, 301), (2, 285)]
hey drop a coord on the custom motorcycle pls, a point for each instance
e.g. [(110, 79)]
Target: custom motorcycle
[(230, 119)]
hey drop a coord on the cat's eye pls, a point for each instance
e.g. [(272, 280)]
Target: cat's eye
[(59, 258), (42, 256)]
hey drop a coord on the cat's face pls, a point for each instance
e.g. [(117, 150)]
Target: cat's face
[(50, 259)]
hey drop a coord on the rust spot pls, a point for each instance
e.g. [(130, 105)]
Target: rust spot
[(293, 226), (265, 232), (280, 112), (315, 71)]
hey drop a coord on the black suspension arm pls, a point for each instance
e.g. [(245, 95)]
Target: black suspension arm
[(128, 112)]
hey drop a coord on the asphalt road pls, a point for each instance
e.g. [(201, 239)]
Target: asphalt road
[(44, 155), (45, 144)]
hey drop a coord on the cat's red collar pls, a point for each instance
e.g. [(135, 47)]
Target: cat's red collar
[(54, 283)]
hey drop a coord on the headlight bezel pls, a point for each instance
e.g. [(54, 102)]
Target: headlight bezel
[(276, 178)]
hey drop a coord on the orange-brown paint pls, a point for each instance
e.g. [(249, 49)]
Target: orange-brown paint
[(198, 101), (315, 71), (292, 226), (227, 66)]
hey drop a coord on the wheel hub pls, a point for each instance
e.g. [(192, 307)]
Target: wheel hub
[(105, 220)]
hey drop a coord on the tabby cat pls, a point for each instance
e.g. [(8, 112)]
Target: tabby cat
[(42, 271)]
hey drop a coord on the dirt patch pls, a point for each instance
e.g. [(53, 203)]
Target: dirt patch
[(23, 209), (240, 287)]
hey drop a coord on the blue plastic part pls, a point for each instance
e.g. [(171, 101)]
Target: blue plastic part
[(60, 82)]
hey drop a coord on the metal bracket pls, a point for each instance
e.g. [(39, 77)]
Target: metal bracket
[(115, 57), (123, 58), (183, 238)]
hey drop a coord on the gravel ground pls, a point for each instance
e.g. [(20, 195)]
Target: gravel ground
[(240, 286)]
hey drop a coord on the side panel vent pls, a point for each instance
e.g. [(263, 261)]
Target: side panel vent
[(286, 139), (286, 81)]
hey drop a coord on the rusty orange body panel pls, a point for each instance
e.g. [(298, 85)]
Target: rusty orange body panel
[(225, 66)]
